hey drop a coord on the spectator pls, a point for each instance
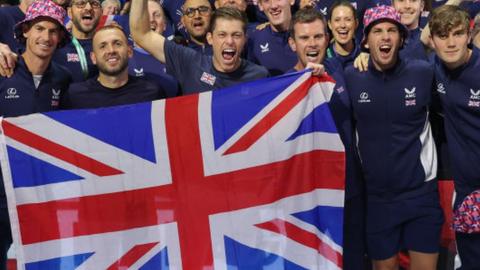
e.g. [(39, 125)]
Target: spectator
[(113, 86), (37, 84)]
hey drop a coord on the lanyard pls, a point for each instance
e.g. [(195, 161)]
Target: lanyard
[(81, 56)]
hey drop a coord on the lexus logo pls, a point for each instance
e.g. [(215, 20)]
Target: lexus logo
[(11, 91)]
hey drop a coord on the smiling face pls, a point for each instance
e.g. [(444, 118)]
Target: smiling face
[(238, 4), (343, 24), (157, 17), (196, 18), (85, 16), (310, 43), (410, 11), (384, 41), (227, 40), (278, 12), (42, 38), (111, 51), (111, 7)]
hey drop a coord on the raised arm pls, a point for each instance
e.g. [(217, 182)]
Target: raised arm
[(140, 30)]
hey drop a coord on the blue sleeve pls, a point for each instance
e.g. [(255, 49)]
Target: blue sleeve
[(179, 59)]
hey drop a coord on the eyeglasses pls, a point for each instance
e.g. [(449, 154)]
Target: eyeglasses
[(83, 3), (202, 10)]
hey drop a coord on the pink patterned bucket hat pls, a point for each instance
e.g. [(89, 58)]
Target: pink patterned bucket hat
[(380, 14), (466, 219), (43, 9)]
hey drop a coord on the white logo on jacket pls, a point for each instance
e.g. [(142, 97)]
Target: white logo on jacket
[(264, 48), (441, 88), (474, 100), (139, 72), (12, 93), (364, 98)]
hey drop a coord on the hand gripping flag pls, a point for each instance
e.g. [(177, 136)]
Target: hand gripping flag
[(248, 177)]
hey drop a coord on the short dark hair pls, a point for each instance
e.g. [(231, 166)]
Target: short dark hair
[(228, 13), (112, 25), (447, 17), (306, 15), (342, 3)]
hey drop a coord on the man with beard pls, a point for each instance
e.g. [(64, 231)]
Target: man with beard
[(113, 86), (85, 15), (196, 16), (9, 47), (37, 84), (195, 71), (390, 104)]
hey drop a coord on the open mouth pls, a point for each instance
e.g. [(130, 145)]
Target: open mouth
[(198, 25), (228, 54), (312, 56), (343, 33), (385, 50), (87, 18)]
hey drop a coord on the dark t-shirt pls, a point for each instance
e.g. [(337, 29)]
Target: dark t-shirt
[(143, 64), (195, 71), (91, 94)]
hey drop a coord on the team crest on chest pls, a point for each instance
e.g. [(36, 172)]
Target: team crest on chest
[(264, 48), (139, 72), (56, 97), (474, 100), (410, 96)]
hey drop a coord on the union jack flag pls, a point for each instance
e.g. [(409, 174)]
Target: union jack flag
[(249, 177)]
